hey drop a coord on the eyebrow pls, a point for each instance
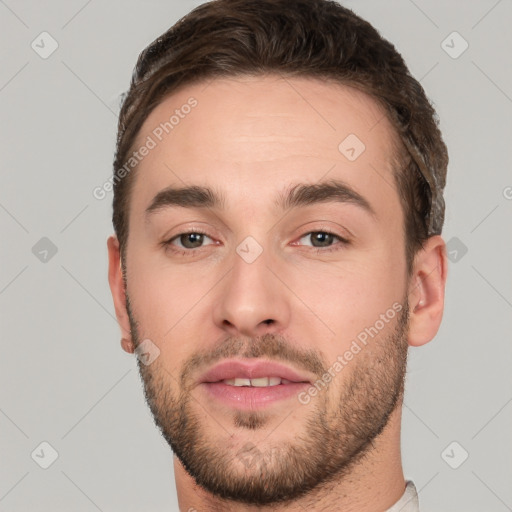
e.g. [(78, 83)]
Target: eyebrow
[(299, 195)]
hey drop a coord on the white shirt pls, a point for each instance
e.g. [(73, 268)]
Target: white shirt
[(409, 500)]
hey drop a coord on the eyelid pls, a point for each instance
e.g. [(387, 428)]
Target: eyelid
[(327, 231), (168, 243), (327, 225), (342, 241), (199, 231), (193, 226)]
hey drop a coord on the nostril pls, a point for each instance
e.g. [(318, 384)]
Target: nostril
[(268, 321)]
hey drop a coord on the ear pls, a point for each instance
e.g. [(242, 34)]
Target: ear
[(115, 280), (426, 291)]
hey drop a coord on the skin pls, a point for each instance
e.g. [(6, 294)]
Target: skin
[(252, 138)]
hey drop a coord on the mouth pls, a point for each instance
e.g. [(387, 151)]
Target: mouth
[(252, 385), (260, 382)]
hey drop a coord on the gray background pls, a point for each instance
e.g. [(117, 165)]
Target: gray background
[(64, 378)]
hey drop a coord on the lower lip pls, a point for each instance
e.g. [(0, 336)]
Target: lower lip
[(249, 397)]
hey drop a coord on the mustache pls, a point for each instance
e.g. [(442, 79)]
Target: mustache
[(269, 346)]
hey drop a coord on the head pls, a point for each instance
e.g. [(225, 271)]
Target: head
[(290, 137)]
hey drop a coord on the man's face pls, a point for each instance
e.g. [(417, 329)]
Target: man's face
[(284, 270)]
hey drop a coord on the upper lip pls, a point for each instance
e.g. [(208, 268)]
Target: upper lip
[(231, 369)]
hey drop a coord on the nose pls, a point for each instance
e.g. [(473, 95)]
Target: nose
[(251, 300)]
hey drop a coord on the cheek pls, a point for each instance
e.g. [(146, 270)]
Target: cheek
[(346, 297), (168, 301)]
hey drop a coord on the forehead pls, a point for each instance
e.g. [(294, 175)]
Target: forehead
[(253, 134)]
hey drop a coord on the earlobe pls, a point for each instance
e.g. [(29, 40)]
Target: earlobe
[(127, 345), (426, 292), (116, 283)]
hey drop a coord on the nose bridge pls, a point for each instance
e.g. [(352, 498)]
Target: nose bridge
[(252, 301)]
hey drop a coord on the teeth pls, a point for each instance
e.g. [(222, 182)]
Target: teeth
[(240, 382), (261, 382)]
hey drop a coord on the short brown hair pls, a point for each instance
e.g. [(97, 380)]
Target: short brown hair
[(309, 38)]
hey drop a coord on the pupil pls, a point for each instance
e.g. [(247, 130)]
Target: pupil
[(324, 239), (191, 240)]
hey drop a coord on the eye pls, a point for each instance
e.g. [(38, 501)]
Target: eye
[(191, 240), (323, 239)]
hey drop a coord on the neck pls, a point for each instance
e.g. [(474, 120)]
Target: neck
[(375, 483)]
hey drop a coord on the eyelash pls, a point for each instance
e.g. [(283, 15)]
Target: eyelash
[(342, 242), (319, 250), (184, 252)]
